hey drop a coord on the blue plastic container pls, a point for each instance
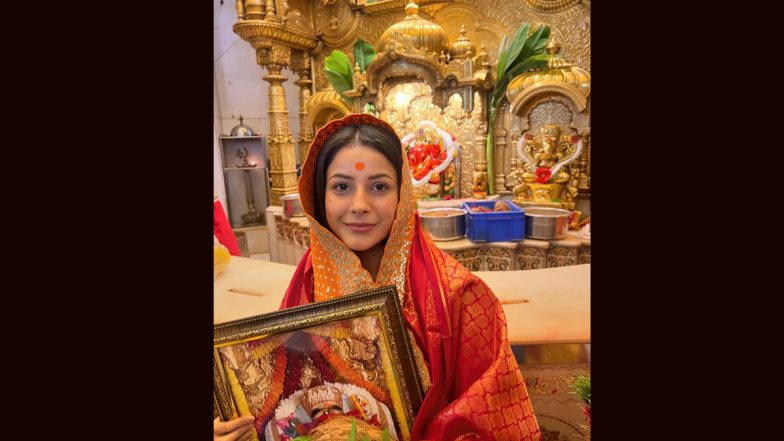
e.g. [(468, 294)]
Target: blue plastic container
[(496, 226)]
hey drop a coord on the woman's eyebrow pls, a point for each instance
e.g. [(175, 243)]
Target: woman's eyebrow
[(341, 175), (380, 175)]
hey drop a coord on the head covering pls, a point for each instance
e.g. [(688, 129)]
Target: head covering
[(336, 269)]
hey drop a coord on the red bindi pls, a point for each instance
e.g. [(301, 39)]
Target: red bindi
[(359, 166)]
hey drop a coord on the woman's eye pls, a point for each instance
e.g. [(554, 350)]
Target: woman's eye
[(340, 186), (379, 187)]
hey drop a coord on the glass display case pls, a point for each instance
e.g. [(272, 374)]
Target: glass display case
[(246, 179)]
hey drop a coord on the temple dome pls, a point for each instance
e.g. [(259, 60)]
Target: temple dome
[(462, 48), (558, 70), (425, 35)]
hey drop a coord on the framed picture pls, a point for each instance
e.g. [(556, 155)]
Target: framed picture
[(321, 370)]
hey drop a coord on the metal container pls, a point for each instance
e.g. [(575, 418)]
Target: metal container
[(292, 207), (546, 223), (241, 130), (444, 223)]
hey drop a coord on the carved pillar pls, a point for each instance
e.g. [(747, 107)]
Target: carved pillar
[(270, 10), (499, 150), (254, 9), (300, 64), (584, 178), (283, 166), (239, 5)]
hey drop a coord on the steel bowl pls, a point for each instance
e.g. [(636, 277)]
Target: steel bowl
[(241, 130), (444, 223), (292, 207), (546, 223)]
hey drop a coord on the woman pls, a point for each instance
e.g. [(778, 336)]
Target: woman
[(365, 233)]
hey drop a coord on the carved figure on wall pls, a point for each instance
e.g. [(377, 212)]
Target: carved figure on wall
[(515, 176), (547, 176), (284, 11), (448, 187), (480, 180)]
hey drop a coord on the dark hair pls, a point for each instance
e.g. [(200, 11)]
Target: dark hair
[(383, 140)]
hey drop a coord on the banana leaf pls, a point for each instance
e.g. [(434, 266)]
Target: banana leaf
[(515, 46), (501, 62), (364, 54), (533, 45), (339, 73), (499, 93)]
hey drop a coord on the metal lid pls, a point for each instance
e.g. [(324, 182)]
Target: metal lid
[(242, 130)]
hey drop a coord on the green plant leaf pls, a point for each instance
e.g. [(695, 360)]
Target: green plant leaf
[(364, 54), (489, 148), (534, 44), (515, 46), (501, 61), (499, 93), (581, 386), (339, 73), (385, 435), (353, 434)]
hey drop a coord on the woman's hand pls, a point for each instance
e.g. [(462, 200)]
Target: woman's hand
[(238, 429)]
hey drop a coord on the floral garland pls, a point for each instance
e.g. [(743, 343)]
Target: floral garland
[(347, 372), (276, 390), (545, 174), (331, 330), (448, 148), (263, 346), (321, 365), (293, 374)]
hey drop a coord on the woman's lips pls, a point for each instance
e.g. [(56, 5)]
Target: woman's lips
[(360, 228)]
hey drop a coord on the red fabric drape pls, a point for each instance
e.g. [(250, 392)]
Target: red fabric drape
[(222, 230)]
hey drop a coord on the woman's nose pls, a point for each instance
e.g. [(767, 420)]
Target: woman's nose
[(359, 203)]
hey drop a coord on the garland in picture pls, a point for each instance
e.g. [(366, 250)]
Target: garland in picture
[(271, 402), (321, 365), (264, 346), (429, 151), (345, 371)]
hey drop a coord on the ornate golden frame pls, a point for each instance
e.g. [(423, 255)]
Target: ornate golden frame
[(383, 303)]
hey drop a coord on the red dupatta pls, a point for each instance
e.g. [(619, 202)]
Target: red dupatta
[(476, 389)]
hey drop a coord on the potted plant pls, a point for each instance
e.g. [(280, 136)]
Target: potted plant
[(581, 387)]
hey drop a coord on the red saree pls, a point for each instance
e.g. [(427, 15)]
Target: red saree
[(476, 390)]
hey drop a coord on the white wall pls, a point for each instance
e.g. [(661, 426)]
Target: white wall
[(240, 89)]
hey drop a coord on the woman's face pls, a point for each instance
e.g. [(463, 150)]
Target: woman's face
[(360, 197)]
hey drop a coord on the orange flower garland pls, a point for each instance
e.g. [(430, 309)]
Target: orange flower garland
[(277, 388), (264, 346)]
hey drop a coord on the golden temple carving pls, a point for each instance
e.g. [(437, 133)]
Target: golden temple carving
[(424, 34), (435, 62), (283, 164), (301, 64), (550, 6), (550, 101), (548, 176)]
